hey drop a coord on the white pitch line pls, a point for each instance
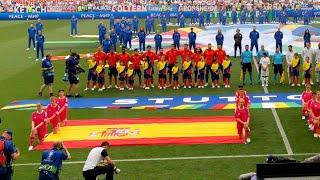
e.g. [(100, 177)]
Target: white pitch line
[(180, 158), (277, 119)]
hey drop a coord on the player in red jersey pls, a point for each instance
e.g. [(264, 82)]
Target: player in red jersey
[(305, 98), (196, 57), (185, 53), (309, 105), (240, 90), (171, 57), (221, 55), (209, 55), (100, 55), (38, 126), (124, 57), (153, 57), (242, 94), (136, 59), (243, 119), (315, 114), (63, 103), (112, 59), (53, 110)]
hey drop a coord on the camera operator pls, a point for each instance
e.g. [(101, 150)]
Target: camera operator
[(51, 161), (73, 68), (8, 153), (98, 162)]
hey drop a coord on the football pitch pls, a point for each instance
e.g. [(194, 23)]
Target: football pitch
[(274, 131)]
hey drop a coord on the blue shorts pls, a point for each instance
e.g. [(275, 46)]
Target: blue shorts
[(215, 76), (226, 75), (295, 72), (201, 75), (91, 75), (176, 77)]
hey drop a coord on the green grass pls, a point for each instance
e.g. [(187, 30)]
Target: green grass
[(21, 78)]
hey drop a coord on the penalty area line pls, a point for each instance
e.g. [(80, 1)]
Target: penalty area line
[(180, 158)]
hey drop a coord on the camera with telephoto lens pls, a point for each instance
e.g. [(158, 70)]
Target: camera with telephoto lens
[(116, 170)]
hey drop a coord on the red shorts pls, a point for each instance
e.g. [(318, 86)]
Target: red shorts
[(63, 115), (304, 111), (41, 132), (54, 122), (240, 128)]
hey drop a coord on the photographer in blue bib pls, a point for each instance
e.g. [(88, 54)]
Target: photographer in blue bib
[(8, 153), (51, 161)]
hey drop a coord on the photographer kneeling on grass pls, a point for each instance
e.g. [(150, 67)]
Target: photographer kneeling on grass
[(73, 69), (98, 162), (51, 161)]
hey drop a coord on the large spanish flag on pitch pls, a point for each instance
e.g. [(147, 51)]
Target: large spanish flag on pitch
[(148, 131)]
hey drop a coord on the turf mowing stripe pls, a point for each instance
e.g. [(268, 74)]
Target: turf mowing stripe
[(181, 158), (277, 119)]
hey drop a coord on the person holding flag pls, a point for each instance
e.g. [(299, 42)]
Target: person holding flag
[(74, 25), (306, 96), (63, 102), (38, 126), (243, 119), (52, 111), (32, 31)]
